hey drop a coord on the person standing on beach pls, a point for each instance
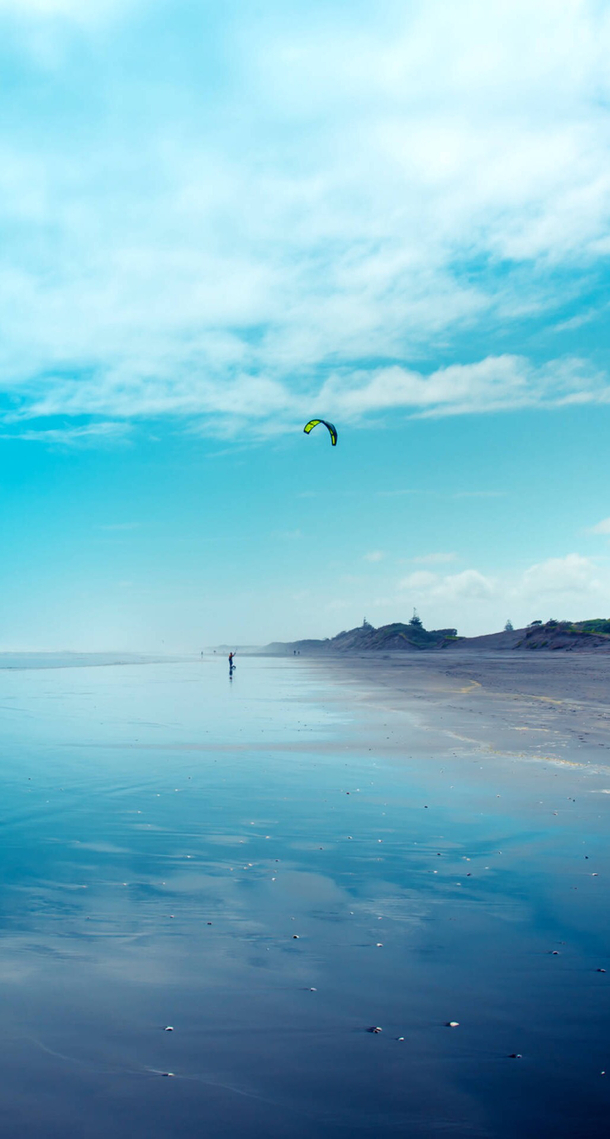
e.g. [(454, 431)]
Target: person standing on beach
[(231, 665)]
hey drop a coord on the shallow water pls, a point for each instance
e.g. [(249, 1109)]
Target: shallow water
[(241, 861)]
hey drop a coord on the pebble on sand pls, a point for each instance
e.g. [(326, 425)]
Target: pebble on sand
[(169, 1028), (375, 1028), (452, 1024), (515, 1056)]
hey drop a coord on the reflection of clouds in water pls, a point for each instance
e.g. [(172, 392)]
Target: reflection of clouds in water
[(16, 965), (404, 909), (227, 839), (309, 886), (190, 909), (96, 847)]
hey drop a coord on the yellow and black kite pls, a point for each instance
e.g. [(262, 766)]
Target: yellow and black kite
[(332, 430)]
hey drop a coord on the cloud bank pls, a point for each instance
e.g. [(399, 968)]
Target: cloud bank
[(300, 210), (571, 587)]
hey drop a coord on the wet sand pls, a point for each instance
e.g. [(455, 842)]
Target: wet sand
[(273, 865), (533, 705)]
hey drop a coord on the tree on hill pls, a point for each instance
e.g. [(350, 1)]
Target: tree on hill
[(508, 628), (416, 620)]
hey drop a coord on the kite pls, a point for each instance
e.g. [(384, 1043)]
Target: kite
[(331, 428)]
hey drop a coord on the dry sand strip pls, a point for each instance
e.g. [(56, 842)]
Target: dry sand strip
[(544, 705)]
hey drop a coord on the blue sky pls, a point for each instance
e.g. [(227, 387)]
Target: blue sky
[(218, 220)]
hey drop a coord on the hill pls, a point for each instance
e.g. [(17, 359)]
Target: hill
[(389, 638), (563, 636)]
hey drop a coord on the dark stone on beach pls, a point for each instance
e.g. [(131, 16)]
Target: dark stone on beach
[(375, 1029)]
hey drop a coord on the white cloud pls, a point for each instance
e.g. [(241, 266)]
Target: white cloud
[(71, 436), (80, 11), (421, 579), (226, 406), (572, 574), (493, 384), (571, 587), (602, 527), (374, 556), (317, 208), (469, 585), (571, 578)]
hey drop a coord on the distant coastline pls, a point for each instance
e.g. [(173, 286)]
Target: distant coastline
[(592, 635), (31, 660)]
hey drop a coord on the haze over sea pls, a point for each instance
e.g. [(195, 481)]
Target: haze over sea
[(271, 866)]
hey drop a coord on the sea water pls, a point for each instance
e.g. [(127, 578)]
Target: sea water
[(213, 889)]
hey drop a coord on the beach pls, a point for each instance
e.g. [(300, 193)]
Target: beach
[(214, 889), (507, 701)]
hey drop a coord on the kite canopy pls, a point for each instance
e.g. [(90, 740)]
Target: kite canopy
[(331, 429)]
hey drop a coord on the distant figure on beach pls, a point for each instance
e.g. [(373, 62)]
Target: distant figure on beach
[(231, 662)]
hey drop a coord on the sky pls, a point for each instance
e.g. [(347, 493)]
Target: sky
[(220, 219)]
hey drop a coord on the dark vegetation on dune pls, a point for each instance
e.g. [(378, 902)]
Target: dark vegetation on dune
[(565, 636)]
